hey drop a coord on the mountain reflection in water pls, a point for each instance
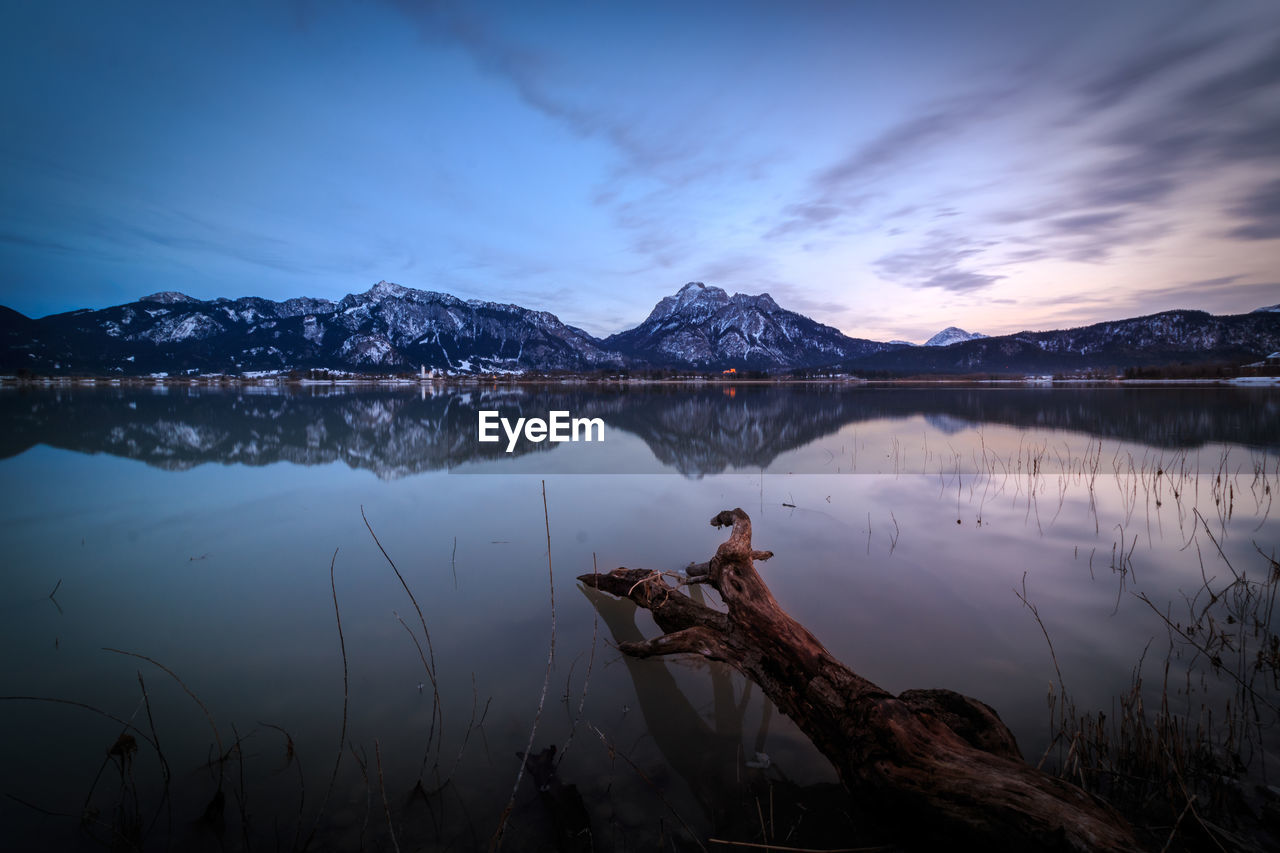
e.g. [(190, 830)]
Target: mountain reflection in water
[(696, 431)]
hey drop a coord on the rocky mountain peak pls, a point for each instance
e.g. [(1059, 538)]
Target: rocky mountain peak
[(384, 289), (168, 297), (764, 302), (697, 292), (703, 326)]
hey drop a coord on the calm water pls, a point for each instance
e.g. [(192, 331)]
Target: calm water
[(197, 528)]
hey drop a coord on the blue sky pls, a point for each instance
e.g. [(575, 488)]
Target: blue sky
[(887, 168)]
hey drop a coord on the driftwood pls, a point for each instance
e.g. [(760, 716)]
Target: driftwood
[(939, 763)]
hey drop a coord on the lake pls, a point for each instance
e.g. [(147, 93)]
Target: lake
[(169, 553)]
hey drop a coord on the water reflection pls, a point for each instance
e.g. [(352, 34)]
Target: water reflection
[(729, 767), (696, 432), (222, 572)]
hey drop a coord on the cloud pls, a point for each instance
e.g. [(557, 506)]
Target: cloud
[(1258, 75), (852, 182), (800, 299), (1198, 114), (1088, 223), (1123, 82), (904, 141), (655, 150), (937, 264), (1214, 283), (216, 241), (1262, 208), (1023, 256), (656, 230), (26, 242), (1223, 119), (804, 216)]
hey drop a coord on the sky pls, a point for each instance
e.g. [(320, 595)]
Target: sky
[(886, 168)]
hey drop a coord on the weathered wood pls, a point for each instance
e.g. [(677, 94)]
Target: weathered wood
[(942, 763)]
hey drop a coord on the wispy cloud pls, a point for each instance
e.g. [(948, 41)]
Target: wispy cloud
[(537, 77), (1198, 114), (847, 186), (1201, 126), (27, 241), (938, 263), (1262, 210), (898, 144), (805, 217), (1118, 84)]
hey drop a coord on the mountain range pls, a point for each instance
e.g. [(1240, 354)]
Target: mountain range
[(390, 329)]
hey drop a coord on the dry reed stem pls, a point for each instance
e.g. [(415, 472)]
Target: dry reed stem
[(346, 697), (386, 807), (291, 757), (586, 682), (166, 801), (438, 711), (496, 842), (208, 715)]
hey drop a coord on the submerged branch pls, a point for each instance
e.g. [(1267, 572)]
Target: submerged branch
[(943, 763)]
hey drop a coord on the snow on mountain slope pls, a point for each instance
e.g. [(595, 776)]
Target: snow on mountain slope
[(952, 335), (388, 327), (391, 328), (705, 327)]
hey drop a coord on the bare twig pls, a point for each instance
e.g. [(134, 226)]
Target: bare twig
[(1022, 596), (438, 711), (291, 757), (586, 681), (496, 842), (346, 694), (164, 764), (125, 723), (208, 716), (386, 807)]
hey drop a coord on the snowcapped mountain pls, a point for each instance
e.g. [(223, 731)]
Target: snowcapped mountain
[(952, 335), (387, 328), (391, 329), (1262, 310), (705, 327)]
